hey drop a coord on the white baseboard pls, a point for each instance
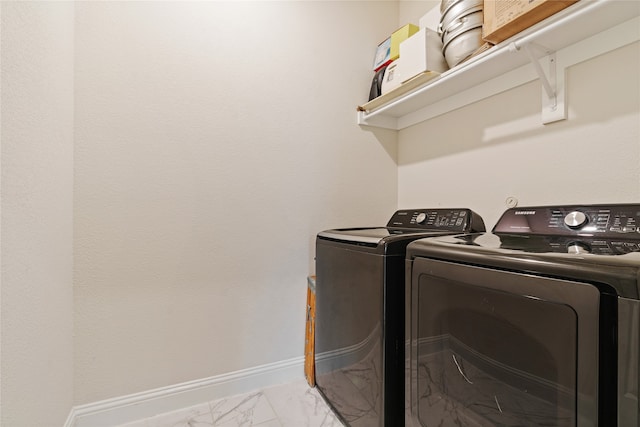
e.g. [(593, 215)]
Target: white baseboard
[(124, 409)]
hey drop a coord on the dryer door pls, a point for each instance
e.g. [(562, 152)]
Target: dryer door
[(492, 347)]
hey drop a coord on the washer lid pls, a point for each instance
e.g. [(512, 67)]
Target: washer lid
[(615, 263), (370, 236)]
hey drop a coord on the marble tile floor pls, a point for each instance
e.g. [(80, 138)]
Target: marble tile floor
[(289, 405)]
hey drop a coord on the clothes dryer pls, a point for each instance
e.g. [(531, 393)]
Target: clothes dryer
[(359, 336), (535, 324)]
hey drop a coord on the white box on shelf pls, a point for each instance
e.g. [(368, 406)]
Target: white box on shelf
[(392, 77), (420, 53), (431, 19)]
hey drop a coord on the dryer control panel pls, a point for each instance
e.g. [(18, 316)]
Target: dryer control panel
[(456, 220), (602, 221)]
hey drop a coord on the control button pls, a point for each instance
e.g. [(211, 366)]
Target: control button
[(575, 219), (421, 217), (578, 248), (628, 229)]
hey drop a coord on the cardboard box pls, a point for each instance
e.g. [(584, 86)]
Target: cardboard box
[(399, 36), (504, 18), (310, 333), (421, 52)]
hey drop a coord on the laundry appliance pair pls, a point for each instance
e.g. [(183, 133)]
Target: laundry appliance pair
[(534, 324)]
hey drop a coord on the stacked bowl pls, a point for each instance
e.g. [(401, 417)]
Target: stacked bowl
[(460, 29)]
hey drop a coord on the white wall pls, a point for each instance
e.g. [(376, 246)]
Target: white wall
[(481, 154), (213, 141), (36, 329)]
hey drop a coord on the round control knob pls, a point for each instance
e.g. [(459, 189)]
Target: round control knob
[(577, 248), (421, 217), (575, 219)]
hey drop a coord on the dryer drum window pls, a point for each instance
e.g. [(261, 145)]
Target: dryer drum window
[(492, 347)]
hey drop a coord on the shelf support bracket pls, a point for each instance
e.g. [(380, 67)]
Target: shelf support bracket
[(552, 81)]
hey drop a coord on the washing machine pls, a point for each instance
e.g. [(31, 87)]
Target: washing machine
[(359, 335), (534, 324)]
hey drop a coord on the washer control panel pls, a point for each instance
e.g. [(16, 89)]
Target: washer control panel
[(462, 220), (612, 221)]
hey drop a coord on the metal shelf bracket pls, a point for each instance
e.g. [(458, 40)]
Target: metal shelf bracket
[(553, 82)]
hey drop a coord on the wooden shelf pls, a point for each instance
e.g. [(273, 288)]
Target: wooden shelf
[(584, 30)]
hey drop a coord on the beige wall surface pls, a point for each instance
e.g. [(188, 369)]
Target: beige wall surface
[(36, 313), (174, 161), (213, 141), (481, 154)]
